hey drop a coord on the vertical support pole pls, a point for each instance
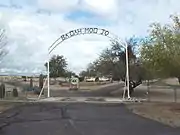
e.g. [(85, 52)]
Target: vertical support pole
[(175, 95), (42, 89), (127, 71), (48, 76), (125, 86), (148, 90)]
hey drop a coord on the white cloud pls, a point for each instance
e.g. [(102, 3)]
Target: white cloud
[(58, 5), (105, 8), (80, 51), (30, 34)]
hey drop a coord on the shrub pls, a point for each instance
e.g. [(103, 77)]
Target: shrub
[(24, 78), (41, 80), (31, 83), (2, 90), (37, 90), (15, 92)]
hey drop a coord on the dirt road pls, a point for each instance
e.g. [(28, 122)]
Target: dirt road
[(100, 92)]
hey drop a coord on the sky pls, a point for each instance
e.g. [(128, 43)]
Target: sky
[(33, 25)]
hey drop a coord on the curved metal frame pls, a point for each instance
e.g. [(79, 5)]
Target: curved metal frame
[(59, 40)]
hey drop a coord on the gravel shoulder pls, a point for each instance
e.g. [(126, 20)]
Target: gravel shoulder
[(6, 105), (166, 113)]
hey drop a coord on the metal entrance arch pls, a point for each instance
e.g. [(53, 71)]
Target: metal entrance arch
[(84, 31)]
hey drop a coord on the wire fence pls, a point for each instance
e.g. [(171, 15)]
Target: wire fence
[(18, 88), (158, 92)]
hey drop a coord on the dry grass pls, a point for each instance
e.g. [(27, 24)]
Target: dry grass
[(162, 106), (166, 113), (5, 106)]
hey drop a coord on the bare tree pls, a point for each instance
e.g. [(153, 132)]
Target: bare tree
[(3, 43)]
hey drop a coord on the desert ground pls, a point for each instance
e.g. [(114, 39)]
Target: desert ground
[(166, 113), (163, 90)]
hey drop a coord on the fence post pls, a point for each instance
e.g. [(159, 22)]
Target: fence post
[(148, 91), (175, 95), (26, 94)]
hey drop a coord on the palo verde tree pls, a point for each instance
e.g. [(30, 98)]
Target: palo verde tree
[(69, 74), (112, 61), (134, 62), (57, 66), (90, 71), (161, 54)]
